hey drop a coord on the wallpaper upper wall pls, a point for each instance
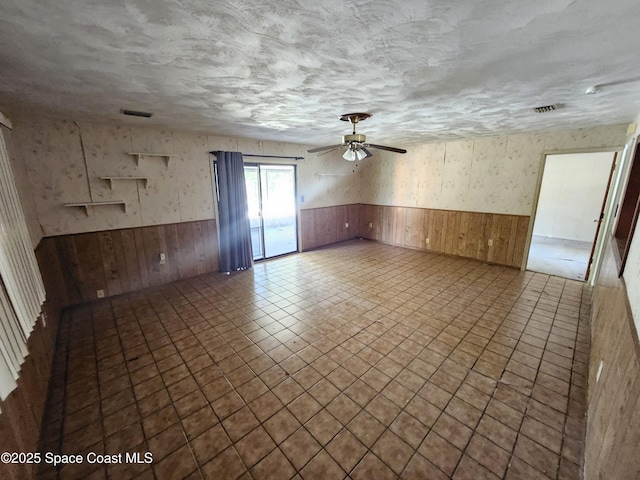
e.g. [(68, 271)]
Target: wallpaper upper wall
[(63, 162), (492, 174), (24, 190)]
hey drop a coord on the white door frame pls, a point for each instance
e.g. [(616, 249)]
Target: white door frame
[(608, 211)]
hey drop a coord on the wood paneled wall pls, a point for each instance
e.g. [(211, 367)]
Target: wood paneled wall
[(119, 261), (326, 225), (466, 234), (613, 422)]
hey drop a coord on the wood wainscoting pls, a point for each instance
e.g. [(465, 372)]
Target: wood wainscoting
[(613, 418), (466, 234), (326, 225), (125, 260)]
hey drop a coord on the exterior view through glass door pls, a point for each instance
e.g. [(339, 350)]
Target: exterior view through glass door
[(271, 195)]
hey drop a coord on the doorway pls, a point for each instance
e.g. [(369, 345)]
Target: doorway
[(569, 213), (271, 196)]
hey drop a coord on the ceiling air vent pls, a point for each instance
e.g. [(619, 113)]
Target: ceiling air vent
[(135, 113), (546, 108)]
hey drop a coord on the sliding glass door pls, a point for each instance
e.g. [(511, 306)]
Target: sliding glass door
[(271, 194)]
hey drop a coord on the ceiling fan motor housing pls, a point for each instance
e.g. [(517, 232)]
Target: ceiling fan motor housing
[(355, 137)]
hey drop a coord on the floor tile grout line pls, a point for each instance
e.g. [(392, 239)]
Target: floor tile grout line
[(65, 395), (506, 471), (137, 400), (194, 292), (246, 404), (166, 388), (566, 417), (102, 416), (471, 368), (362, 408), (416, 394), (220, 421), (519, 432), (497, 381), (452, 395)]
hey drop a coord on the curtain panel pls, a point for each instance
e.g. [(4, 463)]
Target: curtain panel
[(233, 213)]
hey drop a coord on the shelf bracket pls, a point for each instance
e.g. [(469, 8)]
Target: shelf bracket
[(144, 180), (85, 206), (139, 155)]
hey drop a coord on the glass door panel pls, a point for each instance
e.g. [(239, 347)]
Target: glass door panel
[(278, 188), (252, 181)]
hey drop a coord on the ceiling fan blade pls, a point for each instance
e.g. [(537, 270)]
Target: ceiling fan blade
[(328, 147), (364, 149), (389, 149), (329, 151)]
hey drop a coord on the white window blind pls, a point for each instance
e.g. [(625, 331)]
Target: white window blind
[(21, 290)]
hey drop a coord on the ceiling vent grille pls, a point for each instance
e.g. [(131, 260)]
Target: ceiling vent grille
[(546, 108)]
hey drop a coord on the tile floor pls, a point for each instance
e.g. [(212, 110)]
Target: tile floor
[(361, 361)]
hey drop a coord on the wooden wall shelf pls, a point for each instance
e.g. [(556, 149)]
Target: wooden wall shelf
[(139, 155), (144, 180), (86, 205)]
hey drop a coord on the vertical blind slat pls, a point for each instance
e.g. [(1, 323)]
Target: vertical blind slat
[(22, 292), (13, 265), (11, 338)]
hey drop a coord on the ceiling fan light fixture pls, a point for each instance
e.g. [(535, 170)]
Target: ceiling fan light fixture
[(360, 154), (349, 155)]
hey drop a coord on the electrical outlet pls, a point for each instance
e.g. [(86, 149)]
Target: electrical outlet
[(44, 319), (100, 293), (346, 225), (426, 240), (370, 225), (163, 259), (301, 198), (490, 242)]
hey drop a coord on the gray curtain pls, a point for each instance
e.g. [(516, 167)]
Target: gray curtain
[(233, 213)]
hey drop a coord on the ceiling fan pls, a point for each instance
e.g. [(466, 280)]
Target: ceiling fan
[(356, 143)]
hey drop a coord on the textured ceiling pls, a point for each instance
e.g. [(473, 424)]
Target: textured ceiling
[(286, 70)]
